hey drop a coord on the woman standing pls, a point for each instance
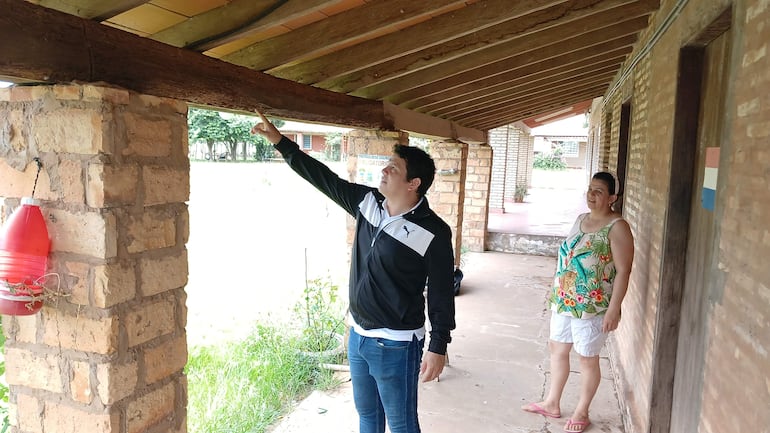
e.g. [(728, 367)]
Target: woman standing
[(592, 274)]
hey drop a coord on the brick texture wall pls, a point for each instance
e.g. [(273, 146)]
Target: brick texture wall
[(498, 141), (477, 196), (736, 386), (106, 354), (512, 164), (447, 194)]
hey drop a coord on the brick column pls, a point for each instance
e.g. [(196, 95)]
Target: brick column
[(512, 162), (477, 192), (108, 354), (498, 141), (447, 194)]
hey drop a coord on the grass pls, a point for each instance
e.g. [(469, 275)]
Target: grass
[(246, 386)]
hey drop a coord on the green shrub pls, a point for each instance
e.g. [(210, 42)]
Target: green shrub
[(550, 161)]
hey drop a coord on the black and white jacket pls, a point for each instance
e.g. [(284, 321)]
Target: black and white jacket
[(390, 266)]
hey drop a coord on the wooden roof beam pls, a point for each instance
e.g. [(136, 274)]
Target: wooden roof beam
[(503, 87), (532, 108), (467, 53), (437, 30), (335, 30), (617, 48), (42, 44), (536, 87)]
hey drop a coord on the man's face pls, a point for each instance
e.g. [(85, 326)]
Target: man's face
[(394, 183)]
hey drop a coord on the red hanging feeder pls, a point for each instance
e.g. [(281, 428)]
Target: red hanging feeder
[(24, 248)]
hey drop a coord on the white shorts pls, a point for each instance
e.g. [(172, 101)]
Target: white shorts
[(585, 334)]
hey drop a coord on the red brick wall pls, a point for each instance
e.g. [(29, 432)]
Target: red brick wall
[(736, 388)]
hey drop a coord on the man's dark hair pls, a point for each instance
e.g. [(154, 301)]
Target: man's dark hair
[(418, 165)]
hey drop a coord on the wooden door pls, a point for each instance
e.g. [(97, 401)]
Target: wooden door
[(700, 266)]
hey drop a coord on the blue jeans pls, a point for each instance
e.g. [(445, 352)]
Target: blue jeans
[(385, 375)]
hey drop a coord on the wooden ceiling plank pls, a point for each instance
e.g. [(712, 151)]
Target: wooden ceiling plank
[(435, 31), (540, 95), (532, 110), (555, 97), (354, 24), (614, 61), (286, 12), (537, 91), (97, 10), (513, 70), (42, 44), (525, 105), (218, 21), (621, 32), (523, 47), (524, 34), (535, 87)]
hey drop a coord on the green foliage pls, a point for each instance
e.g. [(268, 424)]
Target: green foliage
[(322, 316), (232, 130), (550, 161), (248, 385)]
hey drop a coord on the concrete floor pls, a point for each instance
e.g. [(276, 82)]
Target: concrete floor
[(498, 361)]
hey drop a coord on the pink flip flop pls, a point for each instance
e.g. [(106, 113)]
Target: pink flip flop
[(576, 426), (536, 408)]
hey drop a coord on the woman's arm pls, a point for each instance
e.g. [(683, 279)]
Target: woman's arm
[(622, 244)]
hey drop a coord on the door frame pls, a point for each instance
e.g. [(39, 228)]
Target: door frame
[(677, 223)]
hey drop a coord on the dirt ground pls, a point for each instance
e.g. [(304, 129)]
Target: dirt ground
[(251, 225)]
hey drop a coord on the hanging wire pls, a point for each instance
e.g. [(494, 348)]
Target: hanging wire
[(39, 167)]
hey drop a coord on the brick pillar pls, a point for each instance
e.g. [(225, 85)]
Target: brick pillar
[(512, 162), (526, 160), (498, 141), (477, 192), (107, 355), (447, 194)]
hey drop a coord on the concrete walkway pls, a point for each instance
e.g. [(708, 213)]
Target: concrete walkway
[(498, 361)]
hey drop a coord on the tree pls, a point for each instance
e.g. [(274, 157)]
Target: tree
[(207, 126), (213, 127)]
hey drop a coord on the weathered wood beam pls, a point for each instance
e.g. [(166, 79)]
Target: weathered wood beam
[(432, 32), (340, 29), (407, 120), (483, 47), (46, 45)]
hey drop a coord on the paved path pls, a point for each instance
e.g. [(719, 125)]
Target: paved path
[(498, 361)]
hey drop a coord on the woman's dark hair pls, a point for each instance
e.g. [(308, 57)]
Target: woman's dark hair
[(609, 179), (418, 165)]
